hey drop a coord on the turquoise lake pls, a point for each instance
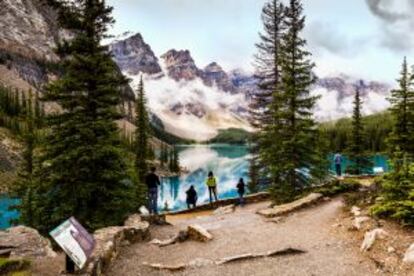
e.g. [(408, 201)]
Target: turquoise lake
[(228, 162)]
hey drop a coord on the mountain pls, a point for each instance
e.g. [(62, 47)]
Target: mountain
[(190, 102), (337, 96), (133, 55), (197, 103)]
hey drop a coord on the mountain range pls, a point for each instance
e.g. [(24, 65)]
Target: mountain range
[(195, 102), (185, 99)]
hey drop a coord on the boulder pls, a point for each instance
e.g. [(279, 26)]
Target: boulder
[(280, 210), (109, 241), (198, 233), (225, 210), (22, 241), (409, 255), (371, 236)]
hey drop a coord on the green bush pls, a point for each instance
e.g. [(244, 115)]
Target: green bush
[(12, 265), (397, 195)]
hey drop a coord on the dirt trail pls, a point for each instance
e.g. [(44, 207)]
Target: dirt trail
[(245, 232)]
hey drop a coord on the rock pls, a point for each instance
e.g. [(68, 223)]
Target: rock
[(23, 241), (200, 262), (290, 207), (356, 211), (409, 255), (225, 210), (172, 268), (249, 256), (198, 233), (390, 249), (133, 220), (370, 238), (109, 240), (155, 219), (358, 221), (144, 211)]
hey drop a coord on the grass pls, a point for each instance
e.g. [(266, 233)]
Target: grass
[(13, 266)]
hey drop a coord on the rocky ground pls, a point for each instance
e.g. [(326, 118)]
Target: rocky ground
[(324, 232)]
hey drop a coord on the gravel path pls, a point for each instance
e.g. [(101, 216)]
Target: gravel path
[(245, 232)]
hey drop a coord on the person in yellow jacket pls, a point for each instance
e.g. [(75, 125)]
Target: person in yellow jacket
[(212, 186)]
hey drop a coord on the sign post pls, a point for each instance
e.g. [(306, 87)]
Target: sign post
[(77, 243)]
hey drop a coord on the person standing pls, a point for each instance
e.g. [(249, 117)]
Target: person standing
[(241, 191), (153, 181), (191, 197), (212, 186), (338, 164)]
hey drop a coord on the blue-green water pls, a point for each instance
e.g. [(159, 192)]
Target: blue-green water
[(228, 163), (6, 215), (378, 161)]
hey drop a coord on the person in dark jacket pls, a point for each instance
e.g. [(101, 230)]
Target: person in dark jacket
[(241, 191), (153, 181), (191, 197)]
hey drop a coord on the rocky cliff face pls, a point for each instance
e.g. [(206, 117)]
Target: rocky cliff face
[(28, 35), (213, 74), (134, 56), (28, 28), (180, 65)]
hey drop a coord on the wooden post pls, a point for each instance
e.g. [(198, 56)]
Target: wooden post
[(70, 265)]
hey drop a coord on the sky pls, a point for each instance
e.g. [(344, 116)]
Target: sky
[(361, 38)]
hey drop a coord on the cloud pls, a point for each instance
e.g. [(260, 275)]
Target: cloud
[(327, 36), (396, 23), (382, 9)]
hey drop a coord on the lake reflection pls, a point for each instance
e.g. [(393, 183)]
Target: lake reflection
[(228, 162)]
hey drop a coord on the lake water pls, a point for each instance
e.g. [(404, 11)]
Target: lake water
[(228, 162), (7, 215)]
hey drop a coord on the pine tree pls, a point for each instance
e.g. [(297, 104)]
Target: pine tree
[(141, 134), (83, 169), (293, 130), (25, 182), (360, 162), (268, 74), (402, 110)]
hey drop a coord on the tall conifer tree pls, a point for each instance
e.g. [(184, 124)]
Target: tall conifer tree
[(83, 168), (293, 130), (402, 109), (357, 153), (141, 135)]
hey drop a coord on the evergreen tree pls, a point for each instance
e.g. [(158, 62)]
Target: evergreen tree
[(360, 161), (292, 131), (25, 182), (402, 110), (141, 134), (83, 171), (268, 74)]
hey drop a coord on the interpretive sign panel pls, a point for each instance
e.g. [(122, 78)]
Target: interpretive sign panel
[(73, 238)]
